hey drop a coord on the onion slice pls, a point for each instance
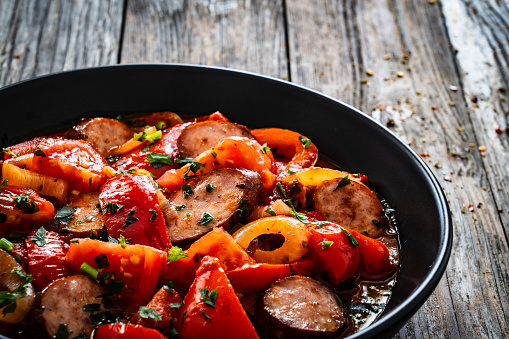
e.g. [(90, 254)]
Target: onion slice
[(42, 184)]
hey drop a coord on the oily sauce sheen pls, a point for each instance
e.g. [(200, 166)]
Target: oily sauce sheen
[(163, 225)]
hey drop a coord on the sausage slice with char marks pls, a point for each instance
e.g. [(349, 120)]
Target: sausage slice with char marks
[(299, 307), (204, 135), (101, 133), (209, 201), (353, 206), (62, 303)]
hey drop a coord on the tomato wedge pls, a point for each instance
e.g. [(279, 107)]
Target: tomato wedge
[(21, 209), (139, 267), (211, 308), (46, 259), (131, 208), (75, 161), (336, 251)]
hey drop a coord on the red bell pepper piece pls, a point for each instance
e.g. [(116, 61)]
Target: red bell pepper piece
[(166, 303), (375, 260), (217, 243), (335, 251), (211, 307), (258, 277), (139, 267), (47, 263), (126, 331), (166, 145), (131, 208), (75, 161)]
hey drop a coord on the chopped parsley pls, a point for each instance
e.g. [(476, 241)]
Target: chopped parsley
[(130, 219), (187, 190), (206, 217), (158, 160), (4, 183), (210, 187), (205, 315), (305, 142), (352, 239), (295, 188), (65, 214), (111, 207), (281, 189), (39, 237), (270, 211), (154, 214), (376, 223), (113, 159), (25, 205), (342, 183), (180, 207), (176, 305), (147, 312), (193, 167), (242, 210), (39, 152), (115, 286), (181, 160), (94, 307), (102, 261), (176, 253), (208, 297)]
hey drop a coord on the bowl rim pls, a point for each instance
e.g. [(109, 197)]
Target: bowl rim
[(387, 323)]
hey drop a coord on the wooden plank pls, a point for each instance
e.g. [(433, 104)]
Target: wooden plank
[(414, 86), (246, 35), (41, 37)]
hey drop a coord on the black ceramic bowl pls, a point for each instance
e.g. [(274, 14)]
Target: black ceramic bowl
[(347, 136)]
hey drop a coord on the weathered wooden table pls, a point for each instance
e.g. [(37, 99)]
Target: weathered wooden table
[(435, 72)]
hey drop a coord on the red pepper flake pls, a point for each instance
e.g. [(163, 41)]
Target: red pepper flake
[(434, 108), (482, 148), (447, 178), (483, 154), (424, 154), (474, 99), (379, 106), (470, 208), (17, 56), (387, 57), (499, 130)]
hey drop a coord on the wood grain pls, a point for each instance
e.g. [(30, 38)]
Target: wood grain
[(40, 37), (394, 60), (246, 35)]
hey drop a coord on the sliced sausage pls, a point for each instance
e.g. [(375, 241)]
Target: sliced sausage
[(353, 206), (204, 135), (209, 201), (62, 303), (299, 307), (86, 217), (101, 133)]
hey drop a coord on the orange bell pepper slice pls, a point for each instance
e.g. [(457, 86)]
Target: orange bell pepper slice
[(294, 146)]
